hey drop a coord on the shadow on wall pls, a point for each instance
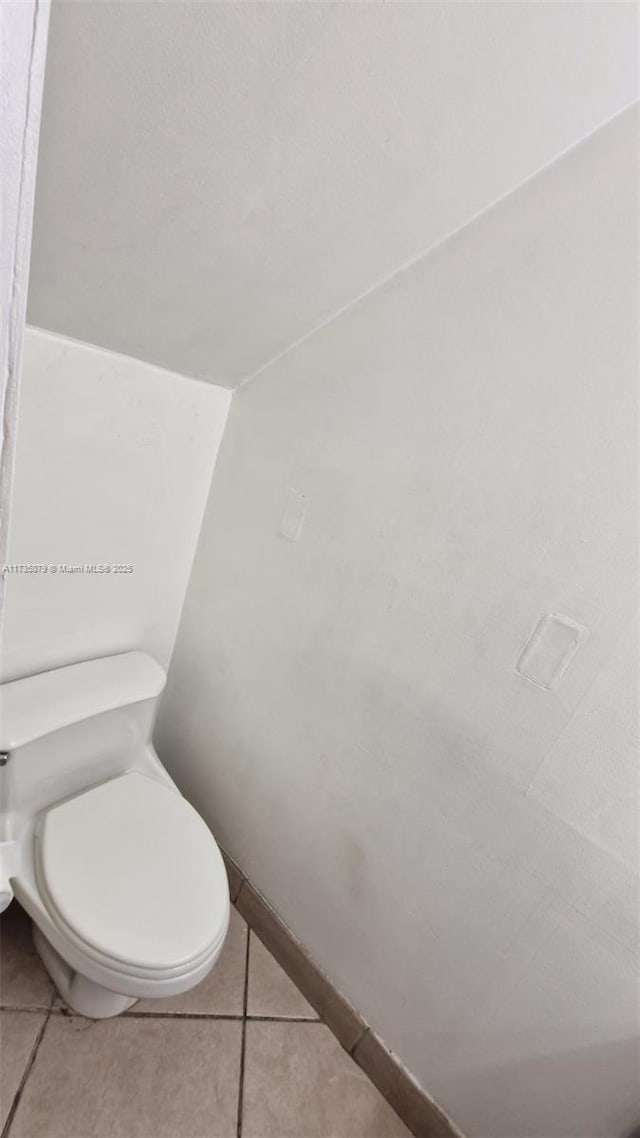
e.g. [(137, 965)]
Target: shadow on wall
[(563, 1094), (178, 741)]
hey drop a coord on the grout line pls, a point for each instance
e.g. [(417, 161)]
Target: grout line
[(358, 1041), (175, 1015), (243, 1045), (285, 1019), (23, 1082), (67, 1013), (32, 1009)]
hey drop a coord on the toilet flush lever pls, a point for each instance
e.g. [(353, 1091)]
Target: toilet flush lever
[(9, 850), (6, 804)]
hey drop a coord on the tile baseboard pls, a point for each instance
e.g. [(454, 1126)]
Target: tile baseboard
[(332, 1008), (234, 875), (411, 1103), (414, 1106)]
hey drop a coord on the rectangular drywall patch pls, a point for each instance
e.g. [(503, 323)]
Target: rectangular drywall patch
[(293, 516), (550, 649)]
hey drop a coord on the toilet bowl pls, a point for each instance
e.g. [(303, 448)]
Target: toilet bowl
[(123, 880)]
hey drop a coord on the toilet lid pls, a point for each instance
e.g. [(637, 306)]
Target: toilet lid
[(134, 872)]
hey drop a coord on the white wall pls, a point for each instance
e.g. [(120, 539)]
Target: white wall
[(282, 158), (23, 43), (457, 846), (113, 465)]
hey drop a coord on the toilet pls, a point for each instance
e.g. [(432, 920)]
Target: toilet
[(123, 880)]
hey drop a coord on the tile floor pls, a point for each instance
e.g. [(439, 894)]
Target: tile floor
[(243, 1055)]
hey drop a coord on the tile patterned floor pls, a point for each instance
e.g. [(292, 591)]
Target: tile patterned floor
[(243, 1055)]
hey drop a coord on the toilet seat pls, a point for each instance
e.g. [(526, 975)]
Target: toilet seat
[(132, 876)]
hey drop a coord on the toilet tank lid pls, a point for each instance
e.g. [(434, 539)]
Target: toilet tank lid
[(38, 705)]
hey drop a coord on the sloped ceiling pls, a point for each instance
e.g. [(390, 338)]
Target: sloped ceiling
[(217, 179)]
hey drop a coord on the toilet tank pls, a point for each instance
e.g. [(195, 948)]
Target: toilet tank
[(69, 728)]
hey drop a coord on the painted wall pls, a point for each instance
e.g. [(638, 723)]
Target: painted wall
[(397, 504), (113, 465), (23, 44), (283, 158)]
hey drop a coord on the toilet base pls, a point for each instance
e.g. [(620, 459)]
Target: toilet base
[(82, 995)]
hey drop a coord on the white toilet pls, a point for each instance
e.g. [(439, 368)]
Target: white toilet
[(124, 883)]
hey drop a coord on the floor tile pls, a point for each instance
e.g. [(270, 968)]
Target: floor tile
[(23, 980), (298, 1081), (271, 992), (18, 1033), (133, 1078), (221, 992)]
